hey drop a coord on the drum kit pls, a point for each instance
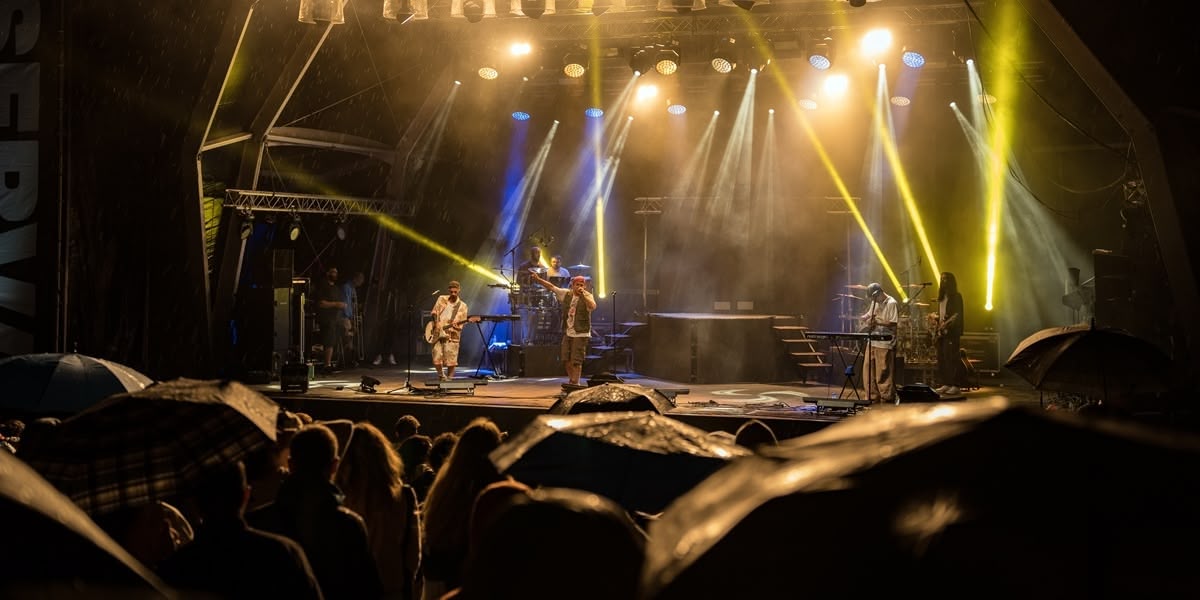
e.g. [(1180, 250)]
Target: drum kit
[(914, 335)]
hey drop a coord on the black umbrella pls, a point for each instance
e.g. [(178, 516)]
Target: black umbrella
[(612, 397), (135, 448), (939, 500), (642, 460), (1090, 360), (63, 383), (52, 549)]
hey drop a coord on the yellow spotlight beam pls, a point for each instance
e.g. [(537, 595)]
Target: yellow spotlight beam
[(826, 161), (409, 233), (1007, 54), (893, 156)]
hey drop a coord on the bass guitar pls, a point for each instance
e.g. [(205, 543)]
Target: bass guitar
[(940, 328)]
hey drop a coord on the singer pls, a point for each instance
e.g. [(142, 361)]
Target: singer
[(577, 306)]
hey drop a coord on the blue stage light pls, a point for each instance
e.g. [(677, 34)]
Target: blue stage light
[(521, 116)]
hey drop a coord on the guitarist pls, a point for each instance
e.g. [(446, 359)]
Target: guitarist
[(445, 332), (947, 334)]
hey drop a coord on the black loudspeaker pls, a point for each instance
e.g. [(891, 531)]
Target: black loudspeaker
[(281, 268), (917, 392), (293, 378), (534, 361)]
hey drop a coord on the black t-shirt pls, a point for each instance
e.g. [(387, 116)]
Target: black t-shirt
[(329, 292)]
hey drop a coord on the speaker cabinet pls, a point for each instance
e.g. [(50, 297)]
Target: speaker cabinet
[(917, 392), (534, 361), (293, 378)]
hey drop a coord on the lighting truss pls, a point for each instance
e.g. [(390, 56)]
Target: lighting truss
[(282, 202)]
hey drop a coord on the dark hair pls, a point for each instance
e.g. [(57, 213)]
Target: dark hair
[(949, 288), (314, 450), (222, 492), (443, 445), (405, 427)]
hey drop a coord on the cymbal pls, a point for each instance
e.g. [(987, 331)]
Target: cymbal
[(915, 286), (921, 304), (579, 266), (855, 286)]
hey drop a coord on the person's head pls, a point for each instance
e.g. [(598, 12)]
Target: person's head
[(331, 274), (443, 444), (535, 253), (875, 292), (414, 451), (406, 426), (314, 452), (453, 287), (947, 285), (556, 261), (370, 467), (578, 284), (358, 278), (223, 493)]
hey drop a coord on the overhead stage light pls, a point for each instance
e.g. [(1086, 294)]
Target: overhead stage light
[(808, 104), (666, 62), (682, 7), (533, 9), (594, 113), (912, 59), (600, 7), (294, 228), (641, 60), (520, 115), (488, 72), (322, 11), (341, 228), (677, 109), (743, 4), (900, 100), (403, 11), (472, 10), (725, 55), (247, 225), (820, 53), (575, 64)]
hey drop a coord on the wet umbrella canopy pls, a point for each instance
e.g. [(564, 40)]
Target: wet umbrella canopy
[(64, 383), (641, 460), (52, 549), (1085, 359), (612, 397), (132, 449), (965, 499)]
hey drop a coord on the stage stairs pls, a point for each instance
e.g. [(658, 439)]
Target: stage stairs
[(612, 351), (802, 351)]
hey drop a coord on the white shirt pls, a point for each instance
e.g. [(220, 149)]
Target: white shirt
[(887, 314)]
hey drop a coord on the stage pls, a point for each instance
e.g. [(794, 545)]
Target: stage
[(789, 408)]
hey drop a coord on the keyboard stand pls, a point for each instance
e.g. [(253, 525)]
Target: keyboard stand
[(486, 356), (849, 370)]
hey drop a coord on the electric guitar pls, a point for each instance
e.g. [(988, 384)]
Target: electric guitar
[(940, 328), (435, 333)]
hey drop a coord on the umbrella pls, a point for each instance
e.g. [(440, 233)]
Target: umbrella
[(64, 383), (1088, 360), (641, 460), (53, 549), (148, 445), (612, 397), (939, 499)]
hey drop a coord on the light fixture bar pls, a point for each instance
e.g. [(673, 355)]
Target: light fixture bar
[(267, 201)]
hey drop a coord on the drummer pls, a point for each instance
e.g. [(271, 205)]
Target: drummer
[(557, 270), (533, 264)]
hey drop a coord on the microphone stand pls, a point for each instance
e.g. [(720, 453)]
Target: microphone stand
[(408, 330)]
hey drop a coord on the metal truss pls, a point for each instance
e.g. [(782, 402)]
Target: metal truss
[(267, 201)]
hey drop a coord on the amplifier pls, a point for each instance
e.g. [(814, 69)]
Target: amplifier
[(293, 378), (982, 346)]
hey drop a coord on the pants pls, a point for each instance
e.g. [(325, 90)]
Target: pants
[(950, 367), (879, 374)]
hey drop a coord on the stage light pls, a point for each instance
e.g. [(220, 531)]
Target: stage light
[(294, 228), (807, 104), (725, 55), (743, 4), (575, 64), (641, 60), (835, 85), (858, 3), (520, 116), (323, 11), (677, 109), (368, 384), (594, 113), (488, 72), (666, 62), (600, 7), (820, 53), (401, 11), (770, 111), (682, 7), (533, 8), (341, 228), (912, 59), (247, 225), (472, 10), (900, 100), (876, 42), (646, 91), (520, 48)]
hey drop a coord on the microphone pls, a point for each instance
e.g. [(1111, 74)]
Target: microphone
[(435, 292)]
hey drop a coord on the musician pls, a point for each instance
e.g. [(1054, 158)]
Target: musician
[(533, 263), (449, 315), (556, 269), (577, 306), (948, 335), (351, 313), (330, 304), (881, 319)]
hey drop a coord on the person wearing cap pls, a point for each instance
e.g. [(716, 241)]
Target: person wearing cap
[(577, 306), (881, 319), (449, 315)]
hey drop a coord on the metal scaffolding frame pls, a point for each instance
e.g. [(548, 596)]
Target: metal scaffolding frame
[(285, 202)]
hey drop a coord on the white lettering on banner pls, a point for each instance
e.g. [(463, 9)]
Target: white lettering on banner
[(20, 81), (18, 164), (28, 27)]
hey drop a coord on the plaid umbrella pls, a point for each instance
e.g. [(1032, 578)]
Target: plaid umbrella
[(148, 445), (612, 397), (63, 383), (641, 460), (55, 547)]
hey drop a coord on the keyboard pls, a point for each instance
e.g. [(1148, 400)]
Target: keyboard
[(845, 335)]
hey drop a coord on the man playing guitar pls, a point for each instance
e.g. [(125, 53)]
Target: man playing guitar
[(947, 332), (445, 330)]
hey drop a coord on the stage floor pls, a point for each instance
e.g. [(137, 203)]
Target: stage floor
[(791, 409)]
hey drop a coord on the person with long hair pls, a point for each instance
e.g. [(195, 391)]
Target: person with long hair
[(448, 507), (370, 475), (947, 335)]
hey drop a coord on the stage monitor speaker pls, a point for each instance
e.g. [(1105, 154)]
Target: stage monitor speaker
[(293, 378), (534, 361), (917, 392)]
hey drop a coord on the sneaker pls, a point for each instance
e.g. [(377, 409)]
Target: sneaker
[(392, 359), (951, 391), (942, 390), (378, 361)]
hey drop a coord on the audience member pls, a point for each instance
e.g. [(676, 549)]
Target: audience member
[(228, 559), (150, 532), (308, 509), (414, 453), (443, 445), (267, 468), (448, 507), (370, 476), (406, 426)]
